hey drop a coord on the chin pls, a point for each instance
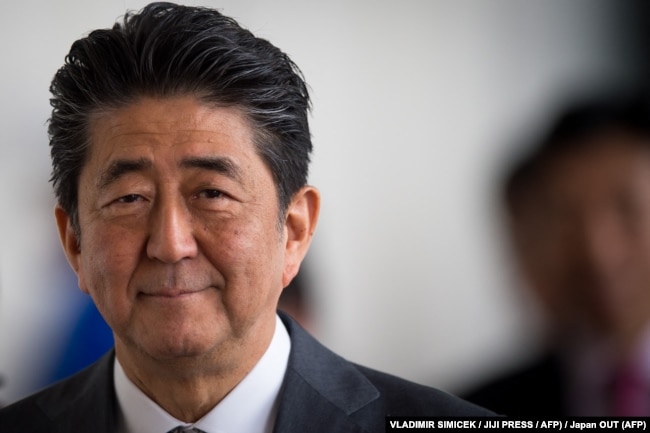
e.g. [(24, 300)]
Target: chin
[(185, 352), (178, 346)]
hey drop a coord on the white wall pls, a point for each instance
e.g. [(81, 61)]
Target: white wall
[(414, 102)]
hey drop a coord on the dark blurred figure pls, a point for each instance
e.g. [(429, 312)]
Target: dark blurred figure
[(578, 211)]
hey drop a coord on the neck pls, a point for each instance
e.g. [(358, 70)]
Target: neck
[(189, 387)]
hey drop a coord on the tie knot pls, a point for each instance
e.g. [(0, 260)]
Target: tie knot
[(181, 429)]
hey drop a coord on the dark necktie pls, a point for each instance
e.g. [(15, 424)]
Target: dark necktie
[(181, 429)]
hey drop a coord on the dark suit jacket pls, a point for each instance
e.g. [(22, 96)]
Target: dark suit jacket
[(321, 392), (534, 389)]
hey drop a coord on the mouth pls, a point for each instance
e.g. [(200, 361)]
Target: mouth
[(171, 293)]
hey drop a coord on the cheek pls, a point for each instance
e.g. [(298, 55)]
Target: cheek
[(249, 256), (240, 242), (106, 274), (108, 259)]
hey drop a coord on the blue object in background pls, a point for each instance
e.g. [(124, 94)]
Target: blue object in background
[(90, 339)]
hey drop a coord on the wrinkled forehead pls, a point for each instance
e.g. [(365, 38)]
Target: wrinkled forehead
[(152, 122)]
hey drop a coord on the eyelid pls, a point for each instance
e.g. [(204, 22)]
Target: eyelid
[(123, 198), (212, 192), (126, 200)]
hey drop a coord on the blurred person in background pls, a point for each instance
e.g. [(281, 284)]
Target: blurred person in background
[(578, 208), (180, 149)]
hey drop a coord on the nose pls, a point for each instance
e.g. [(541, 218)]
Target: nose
[(171, 235)]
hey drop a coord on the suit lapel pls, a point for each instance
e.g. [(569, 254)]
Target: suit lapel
[(321, 392)]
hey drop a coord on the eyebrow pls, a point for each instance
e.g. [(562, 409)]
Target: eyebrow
[(121, 167), (221, 165)]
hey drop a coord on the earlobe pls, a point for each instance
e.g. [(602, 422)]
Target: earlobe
[(301, 220), (68, 238)]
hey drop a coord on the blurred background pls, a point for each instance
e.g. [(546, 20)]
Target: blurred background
[(417, 106)]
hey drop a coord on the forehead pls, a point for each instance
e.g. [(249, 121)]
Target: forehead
[(172, 127), (607, 164)]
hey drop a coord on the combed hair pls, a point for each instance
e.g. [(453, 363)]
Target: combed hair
[(167, 50)]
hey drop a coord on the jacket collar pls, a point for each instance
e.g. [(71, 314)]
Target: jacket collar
[(321, 391)]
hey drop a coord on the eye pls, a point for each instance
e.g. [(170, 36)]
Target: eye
[(210, 194), (125, 205), (130, 198)]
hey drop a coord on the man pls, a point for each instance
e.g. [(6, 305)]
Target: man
[(579, 215), (180, 148)]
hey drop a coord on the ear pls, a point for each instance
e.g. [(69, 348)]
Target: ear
[(69, 242), (300, 225)]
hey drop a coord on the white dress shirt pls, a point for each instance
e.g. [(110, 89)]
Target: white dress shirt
[(250, 407)]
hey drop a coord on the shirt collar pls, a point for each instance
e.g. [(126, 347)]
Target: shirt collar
[(250, 407)]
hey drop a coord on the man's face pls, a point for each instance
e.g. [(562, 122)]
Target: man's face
[(180, 245), (584, 236)]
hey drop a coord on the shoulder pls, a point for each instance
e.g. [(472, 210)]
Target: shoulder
[(326, 377), (405, 398), (16, 415), (38, 412), (85, 398)]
